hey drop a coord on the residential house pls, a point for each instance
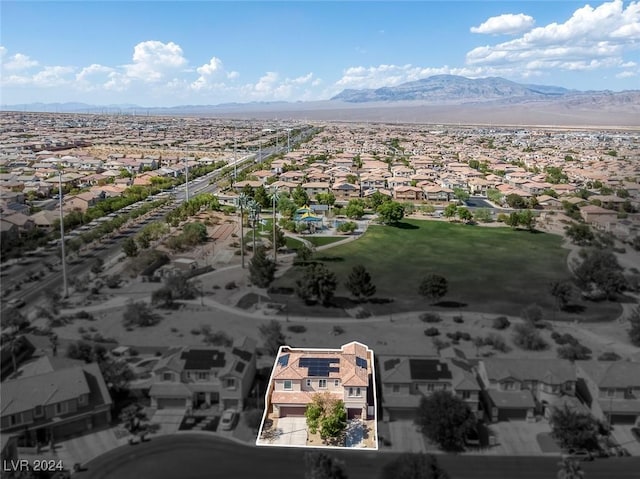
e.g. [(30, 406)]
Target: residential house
[(22, 221), (611, 389), (313, 188), (405, 380), (437, 193), (55, 403), (293, 176), (598, 216), (520, 388), (45, 219), (194, 376), (81, 201), (345, 191), (549, 202), (345, 373), (408, 193), (8, 231)]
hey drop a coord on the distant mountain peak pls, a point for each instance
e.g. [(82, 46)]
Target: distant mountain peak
[(452, 88)]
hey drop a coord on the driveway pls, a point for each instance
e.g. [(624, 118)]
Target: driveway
[(168, 420), (519, 438), (293, 432), (406, 437), (622, 434)]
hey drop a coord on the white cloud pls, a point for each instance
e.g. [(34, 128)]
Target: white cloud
[(626, 74), (154, 60), (592, 38), (392, 75), (506, 24), (53, 76), (212, 74), (18, 62)]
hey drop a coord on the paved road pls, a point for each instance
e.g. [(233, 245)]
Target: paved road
[(190, 456)]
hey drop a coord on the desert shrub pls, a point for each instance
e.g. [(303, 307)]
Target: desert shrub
[(363, 313), (501, 322), (84, 315), (195, 332), (458, 319), (134, 352), (430, 318), (609, 356), (174, 330), (562, 339), (230, 285), (465, 336), (527, 337), (431, 332), (297, 328), (497, 342), (82, 330), (337, 330), (574, 352)]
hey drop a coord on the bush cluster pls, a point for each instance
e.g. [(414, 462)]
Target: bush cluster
[(501, 322), (430, 318)]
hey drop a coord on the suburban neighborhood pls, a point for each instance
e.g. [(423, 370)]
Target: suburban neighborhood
[(231, 279)]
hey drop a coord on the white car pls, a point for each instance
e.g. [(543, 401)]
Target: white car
[(228, 419)]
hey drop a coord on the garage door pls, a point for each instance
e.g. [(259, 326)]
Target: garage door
[(512, 414), (292, 411), (172, 403), (402, 414), (623, 419)]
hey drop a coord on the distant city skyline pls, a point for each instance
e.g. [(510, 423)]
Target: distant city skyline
[(167, 53)]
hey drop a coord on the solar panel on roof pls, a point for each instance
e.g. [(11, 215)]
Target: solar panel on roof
[(283, 360), (361, 362), (240, 367), (321, 367)]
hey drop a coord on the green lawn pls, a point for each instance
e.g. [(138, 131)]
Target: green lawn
[(293, 243), (494, 270), (324, 240)]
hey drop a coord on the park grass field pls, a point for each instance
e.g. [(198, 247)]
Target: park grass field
[(324, 240), (492, 270)]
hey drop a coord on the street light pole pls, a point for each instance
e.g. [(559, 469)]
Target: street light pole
[(242, 201), (186, 177), (65, 290), (235, 157), (274, 199)]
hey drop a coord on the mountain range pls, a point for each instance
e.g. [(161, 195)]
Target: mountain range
[(439, 98)]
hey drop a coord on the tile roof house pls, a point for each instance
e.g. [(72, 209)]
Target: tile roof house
[(518, 388), (345, 373), (194, 376), (611, 389), (405, 380), (56, 402)]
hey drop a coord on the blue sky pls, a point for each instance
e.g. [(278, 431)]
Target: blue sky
[(168, 53)]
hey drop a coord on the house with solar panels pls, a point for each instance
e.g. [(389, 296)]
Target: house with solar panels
[(193, 377), (346, 373)]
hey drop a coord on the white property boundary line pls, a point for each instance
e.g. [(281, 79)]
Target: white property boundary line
[(375, 400)]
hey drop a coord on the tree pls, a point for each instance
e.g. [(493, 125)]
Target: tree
[(139, 314), (117, 375), (562, 291), (132, 417), (532, 313), (570, 469), (433, 287), (328, 199), (515, 201), (465, 215), (527, 219), (574, 352), (600, 268), (359, 282), (322, 466), (461, 194), (326, 414), (446, 420), (194, 233), (286, 207), (163, 297), (574, 429), (14, 319), (413, 466), (261, 196), (390, 212), (355, 209), (97, 266), (317, 284), (300, 196), (347, 227), (376, 199), (580, 234), (129, 247), (261, 269), (303, 254), (273, 337), (81, 350), (494, 195), (450, 211), (526, 336), (634, 331)]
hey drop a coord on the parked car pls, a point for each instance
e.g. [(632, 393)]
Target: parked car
[(636, 433), (228, 419), (578, 455)]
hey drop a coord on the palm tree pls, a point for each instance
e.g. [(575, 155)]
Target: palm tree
[(275, 197), (570, 469), (242, 202)]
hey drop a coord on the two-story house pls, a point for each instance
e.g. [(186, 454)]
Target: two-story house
[(611, 389), (345, 373), (405, 380), (55, 403), (193, 377), (520, 388)]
